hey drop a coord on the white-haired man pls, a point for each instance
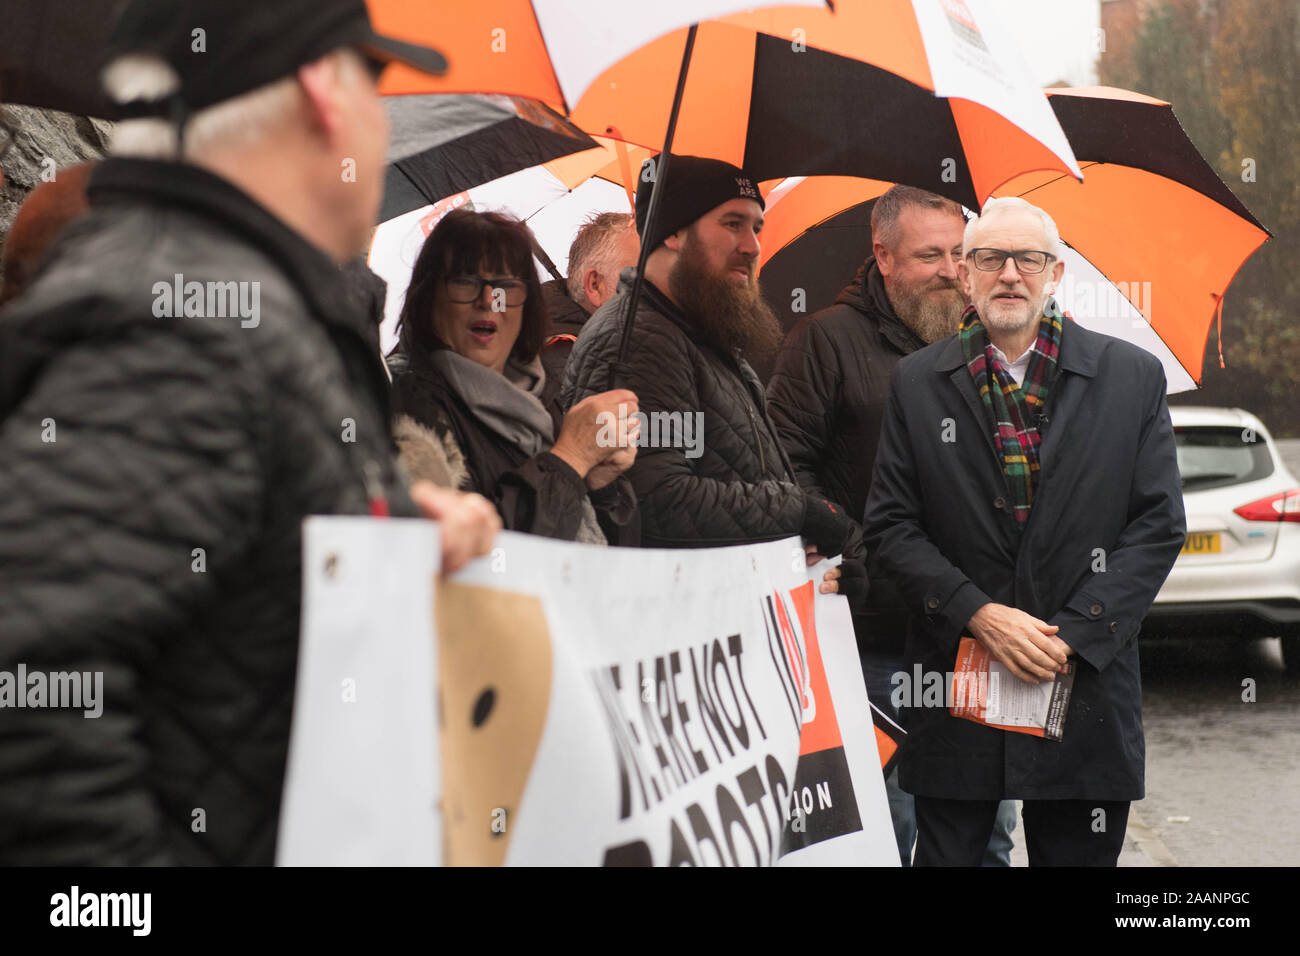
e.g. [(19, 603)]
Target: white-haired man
[(699, 313), (1026, 494), (606, 244), (182, 385)]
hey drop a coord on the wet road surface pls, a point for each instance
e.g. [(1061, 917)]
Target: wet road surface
[(1223, 773)]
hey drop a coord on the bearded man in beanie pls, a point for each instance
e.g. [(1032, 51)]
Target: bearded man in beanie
[(180, 386), (700, 311)]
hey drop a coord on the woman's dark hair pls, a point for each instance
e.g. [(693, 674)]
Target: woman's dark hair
[(462, 243)]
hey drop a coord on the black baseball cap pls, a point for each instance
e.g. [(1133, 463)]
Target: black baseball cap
[(222, 48)]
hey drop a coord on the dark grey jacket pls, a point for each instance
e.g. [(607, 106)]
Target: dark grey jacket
[(566, 321), (740, 488), (829, 385), (1106, 526), (157, 537), (827, 398)]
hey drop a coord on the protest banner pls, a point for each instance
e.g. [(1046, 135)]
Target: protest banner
[(597, 706), (362, 778)]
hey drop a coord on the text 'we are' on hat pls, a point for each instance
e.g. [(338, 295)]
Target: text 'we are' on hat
[(694, 185)]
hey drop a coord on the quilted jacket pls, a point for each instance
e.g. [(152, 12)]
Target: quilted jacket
[(154, 478), (828, 388), (740, 488)]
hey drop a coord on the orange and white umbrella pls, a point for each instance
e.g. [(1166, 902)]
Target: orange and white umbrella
[(929, 92), (934, 93), (808, 274), (1151, 216)]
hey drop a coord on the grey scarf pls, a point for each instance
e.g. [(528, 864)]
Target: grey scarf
[(510, 405)]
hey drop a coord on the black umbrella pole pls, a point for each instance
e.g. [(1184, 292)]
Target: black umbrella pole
[(540, 254), (617, 371)]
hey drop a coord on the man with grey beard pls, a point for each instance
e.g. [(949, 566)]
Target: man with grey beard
[(827, 396), (699, 313)]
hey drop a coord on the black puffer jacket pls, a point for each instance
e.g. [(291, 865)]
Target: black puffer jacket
[(827, 397), (740, 487), (829, 386), (154, 479)]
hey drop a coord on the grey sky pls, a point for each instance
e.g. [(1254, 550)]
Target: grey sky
[(1057, 37)]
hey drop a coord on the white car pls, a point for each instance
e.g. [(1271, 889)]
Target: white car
[(1239, 571)]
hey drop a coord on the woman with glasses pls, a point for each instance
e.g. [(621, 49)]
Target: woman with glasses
[(468, 401)]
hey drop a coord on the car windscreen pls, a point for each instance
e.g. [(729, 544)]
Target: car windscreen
[(1218, 456)]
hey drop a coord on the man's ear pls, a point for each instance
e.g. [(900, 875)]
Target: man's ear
[(884, 260), (964, 277), (591, 287), (1058, 270), (321, 85), (677, 239)]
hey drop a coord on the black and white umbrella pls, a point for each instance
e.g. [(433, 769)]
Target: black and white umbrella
[(443, 144)]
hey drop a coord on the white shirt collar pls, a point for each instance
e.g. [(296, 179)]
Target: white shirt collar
[(1018, 367)]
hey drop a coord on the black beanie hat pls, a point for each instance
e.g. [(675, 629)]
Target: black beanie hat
[(695, 185)]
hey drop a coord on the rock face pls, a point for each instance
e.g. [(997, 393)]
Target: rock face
[(42, 134)]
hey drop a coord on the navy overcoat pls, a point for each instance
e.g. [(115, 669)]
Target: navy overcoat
[(1106, 526)]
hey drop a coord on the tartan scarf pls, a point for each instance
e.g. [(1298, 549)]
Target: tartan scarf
[(1012, 408)]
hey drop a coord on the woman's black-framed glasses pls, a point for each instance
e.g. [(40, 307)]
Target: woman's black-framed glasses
[(466, 289), (1028, 261)]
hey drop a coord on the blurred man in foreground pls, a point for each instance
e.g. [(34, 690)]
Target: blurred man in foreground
[(179, 389)]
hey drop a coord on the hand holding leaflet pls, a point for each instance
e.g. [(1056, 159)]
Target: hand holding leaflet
[(986, 692)]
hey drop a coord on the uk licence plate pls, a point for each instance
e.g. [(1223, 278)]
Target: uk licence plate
[(1203, 542)]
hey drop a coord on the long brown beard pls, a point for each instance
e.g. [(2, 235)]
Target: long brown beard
[(729, 315), (930, 319)]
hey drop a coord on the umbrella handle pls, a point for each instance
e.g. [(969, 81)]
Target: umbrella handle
[(1218, 326), (661, 174)]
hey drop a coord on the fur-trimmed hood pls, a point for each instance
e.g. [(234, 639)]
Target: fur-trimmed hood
[(428, 454)]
